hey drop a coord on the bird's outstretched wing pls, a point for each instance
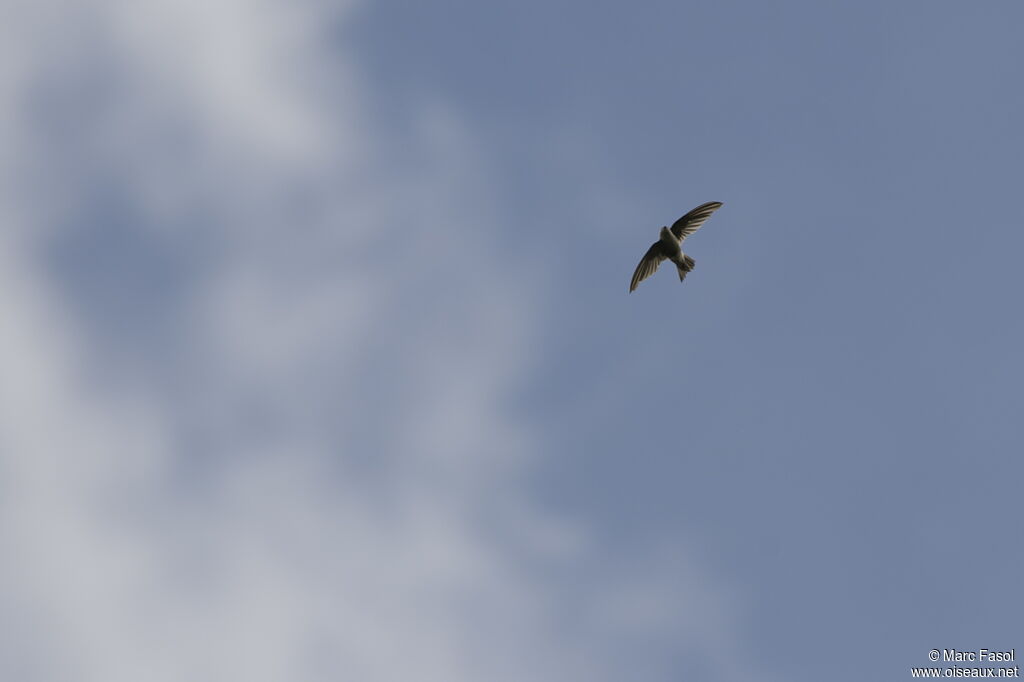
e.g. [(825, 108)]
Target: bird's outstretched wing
[(692, 221), (648, 264)]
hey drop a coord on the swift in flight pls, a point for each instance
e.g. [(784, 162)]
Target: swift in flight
[(670, 244)]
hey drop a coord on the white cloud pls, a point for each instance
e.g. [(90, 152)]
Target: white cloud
[(310, 472)]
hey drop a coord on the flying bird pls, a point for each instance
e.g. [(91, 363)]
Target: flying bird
[(670, 244)]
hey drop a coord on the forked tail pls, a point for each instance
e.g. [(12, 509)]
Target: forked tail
[(684, 266)]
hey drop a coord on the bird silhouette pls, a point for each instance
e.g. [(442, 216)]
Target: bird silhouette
[(670, 244)]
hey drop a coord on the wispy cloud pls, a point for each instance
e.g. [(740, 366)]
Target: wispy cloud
[(256, 363)]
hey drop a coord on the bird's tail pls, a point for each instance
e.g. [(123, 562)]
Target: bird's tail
[(684, 266)]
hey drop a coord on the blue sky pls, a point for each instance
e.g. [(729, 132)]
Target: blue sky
[(319, 361)]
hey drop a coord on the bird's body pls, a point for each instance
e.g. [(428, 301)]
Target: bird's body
[(670, 244)]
